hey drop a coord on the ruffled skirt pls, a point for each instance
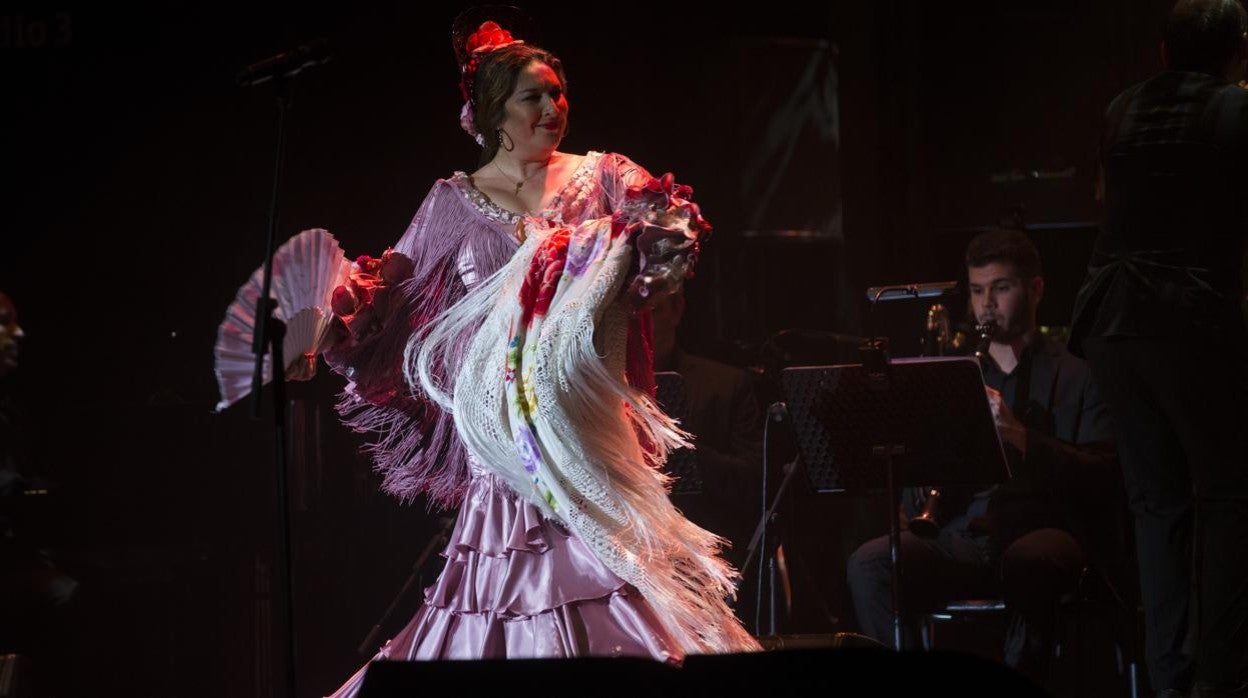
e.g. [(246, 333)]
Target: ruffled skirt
[(518, 585)]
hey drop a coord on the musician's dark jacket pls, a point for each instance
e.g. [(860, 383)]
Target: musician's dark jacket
[(1069, 477)]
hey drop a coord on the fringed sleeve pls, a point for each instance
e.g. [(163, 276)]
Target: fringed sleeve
[(415, 446), (616, 174)]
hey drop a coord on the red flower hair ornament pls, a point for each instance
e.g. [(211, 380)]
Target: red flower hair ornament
[(488, 37)]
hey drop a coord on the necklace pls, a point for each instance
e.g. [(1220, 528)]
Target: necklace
[(520, 184)]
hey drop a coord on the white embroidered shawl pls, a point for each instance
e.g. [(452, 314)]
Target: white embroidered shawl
[(541, 399)]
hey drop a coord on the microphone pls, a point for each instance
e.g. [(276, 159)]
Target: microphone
[(933, 289), (286, 64), (778, 411)]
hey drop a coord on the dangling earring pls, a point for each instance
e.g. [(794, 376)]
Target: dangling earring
[(508, 145)]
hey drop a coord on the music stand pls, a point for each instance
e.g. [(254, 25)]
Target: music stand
[(682, 464), (923, 421)]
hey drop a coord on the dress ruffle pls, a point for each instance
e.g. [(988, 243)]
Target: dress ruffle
[(519, 586)]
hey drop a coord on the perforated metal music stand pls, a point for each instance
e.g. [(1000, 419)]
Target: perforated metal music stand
[(922, 421), (682, 464), (935, 408)]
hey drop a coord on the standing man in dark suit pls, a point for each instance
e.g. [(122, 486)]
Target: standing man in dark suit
[(1161, 323)]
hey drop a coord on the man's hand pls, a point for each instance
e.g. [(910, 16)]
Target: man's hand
[(1009, 428)]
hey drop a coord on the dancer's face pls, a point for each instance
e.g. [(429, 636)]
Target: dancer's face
[(537, 111)]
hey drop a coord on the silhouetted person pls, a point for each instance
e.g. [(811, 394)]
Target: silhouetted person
[(723, 414), (1159, 319), (34, 594)]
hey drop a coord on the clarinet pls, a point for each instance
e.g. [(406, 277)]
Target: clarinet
[(986, 331)]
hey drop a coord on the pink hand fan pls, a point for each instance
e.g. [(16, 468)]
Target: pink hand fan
[(306, 269)]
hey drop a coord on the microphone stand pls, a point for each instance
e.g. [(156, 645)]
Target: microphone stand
[(876, 361), (270, 331), (763, 541), (269, 335)]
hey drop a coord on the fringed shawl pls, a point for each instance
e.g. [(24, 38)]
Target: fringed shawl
[(540, 399), (457, 238)]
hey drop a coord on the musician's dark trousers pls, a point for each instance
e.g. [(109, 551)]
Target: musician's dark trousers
[(1031, 576), (1180, 408)]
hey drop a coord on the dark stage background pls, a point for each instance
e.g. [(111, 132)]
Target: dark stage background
[(834, 145)]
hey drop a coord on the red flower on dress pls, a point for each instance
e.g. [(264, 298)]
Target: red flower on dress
[(661, 198), (395, 268), (362, 304), (667, 228), (344, 301)]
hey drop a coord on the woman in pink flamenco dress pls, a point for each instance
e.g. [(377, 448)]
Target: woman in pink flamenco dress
[(528, 573)]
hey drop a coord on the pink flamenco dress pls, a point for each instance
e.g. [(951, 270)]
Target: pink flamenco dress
[(517, 583)]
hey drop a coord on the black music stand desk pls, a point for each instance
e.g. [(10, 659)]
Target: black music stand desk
[(923, 421), (682, 463)]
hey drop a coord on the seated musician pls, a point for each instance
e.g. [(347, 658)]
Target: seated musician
[(1029, 540), (722, 411)]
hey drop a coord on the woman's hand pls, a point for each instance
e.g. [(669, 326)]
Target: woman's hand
[(667, 252)]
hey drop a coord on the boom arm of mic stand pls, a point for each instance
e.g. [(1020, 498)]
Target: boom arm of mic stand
[(368, 646), (757, 542), (790, 469)]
